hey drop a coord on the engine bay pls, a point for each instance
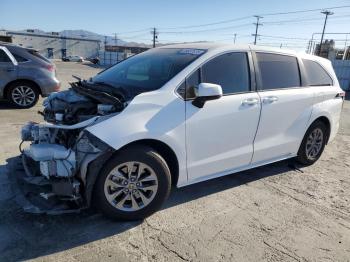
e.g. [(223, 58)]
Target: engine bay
[(83, 101)]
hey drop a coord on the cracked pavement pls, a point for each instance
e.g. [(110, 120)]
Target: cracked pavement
[(271, 213)]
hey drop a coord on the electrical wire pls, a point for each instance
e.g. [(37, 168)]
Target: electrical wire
[(305, 11)]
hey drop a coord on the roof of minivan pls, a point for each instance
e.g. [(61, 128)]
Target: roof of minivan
[(211, 46)]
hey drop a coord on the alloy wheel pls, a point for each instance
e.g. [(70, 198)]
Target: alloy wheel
[(131, 186), (23, 95), (314, 143)]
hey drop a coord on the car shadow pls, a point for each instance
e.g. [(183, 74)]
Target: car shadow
[(25, 236), (6, 105)]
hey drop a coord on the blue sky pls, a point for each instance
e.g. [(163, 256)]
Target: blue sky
[(121, 17)]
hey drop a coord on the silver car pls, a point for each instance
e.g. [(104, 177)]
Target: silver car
[(25, 75)]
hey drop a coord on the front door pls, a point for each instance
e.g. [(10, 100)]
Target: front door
[(219, 136)]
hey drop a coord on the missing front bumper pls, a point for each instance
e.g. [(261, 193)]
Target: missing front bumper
[(35, 194)]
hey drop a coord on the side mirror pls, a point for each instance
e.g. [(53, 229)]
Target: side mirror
[(205, 92)]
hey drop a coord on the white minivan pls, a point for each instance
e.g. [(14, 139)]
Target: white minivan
[(176, 115)]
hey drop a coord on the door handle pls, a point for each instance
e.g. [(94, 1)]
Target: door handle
[(270, 99), (10, 69), (250, 101)]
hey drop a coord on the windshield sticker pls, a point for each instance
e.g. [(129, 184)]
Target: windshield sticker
[(191, 51)]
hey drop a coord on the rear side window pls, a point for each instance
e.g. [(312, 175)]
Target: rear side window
[(316, 75), (19, 59), (230, 70), (4, 57), (278, 71), (38, 55)]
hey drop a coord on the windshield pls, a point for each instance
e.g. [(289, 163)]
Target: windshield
[(148, 71)]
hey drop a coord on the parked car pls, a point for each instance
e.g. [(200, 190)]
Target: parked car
[(25, 75), (73, 58), (178, 115), (95, 60)]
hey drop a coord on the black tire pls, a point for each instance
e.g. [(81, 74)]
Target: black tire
[(142, 154), (303, 157), (29, 86)]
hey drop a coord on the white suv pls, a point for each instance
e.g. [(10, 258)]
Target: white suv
[(177, 115)]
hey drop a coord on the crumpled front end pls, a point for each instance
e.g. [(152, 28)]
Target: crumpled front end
[(53, 173)]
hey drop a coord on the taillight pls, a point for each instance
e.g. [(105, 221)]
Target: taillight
[(50, 68)]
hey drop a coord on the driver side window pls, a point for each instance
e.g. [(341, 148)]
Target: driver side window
[(230, 71)]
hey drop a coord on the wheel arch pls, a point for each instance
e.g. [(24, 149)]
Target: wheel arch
[(164, 150), (325, 120), (8, 85)]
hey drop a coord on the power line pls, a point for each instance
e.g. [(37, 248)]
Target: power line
[(283, 37), (305, 11), (247, 17), (206, 30), (135, 36), (298, 20), (136, 31), (209, 24)]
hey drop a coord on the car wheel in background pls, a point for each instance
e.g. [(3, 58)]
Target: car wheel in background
[(23, 94), (133, 184), (313, 143)]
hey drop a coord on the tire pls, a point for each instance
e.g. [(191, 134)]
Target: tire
[(30, 91), (110, 196), (304, 157)]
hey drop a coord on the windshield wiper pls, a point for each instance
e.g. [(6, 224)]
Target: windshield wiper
[(103, 83)]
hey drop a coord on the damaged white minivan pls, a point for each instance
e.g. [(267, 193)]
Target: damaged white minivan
[(174, 115)]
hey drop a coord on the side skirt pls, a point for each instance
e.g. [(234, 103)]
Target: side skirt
[(236, 170)]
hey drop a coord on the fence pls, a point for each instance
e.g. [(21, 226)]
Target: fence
[(342, 70)]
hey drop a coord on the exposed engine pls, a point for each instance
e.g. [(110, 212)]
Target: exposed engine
[(82, 101)]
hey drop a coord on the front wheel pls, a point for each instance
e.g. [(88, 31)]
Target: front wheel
[(133, 184), (313, 143)]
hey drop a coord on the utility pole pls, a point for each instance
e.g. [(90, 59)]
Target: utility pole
[(104, 53), (327, 13), (115, 39), (256, 27), (234, 39), (308, 47), (155, 36)]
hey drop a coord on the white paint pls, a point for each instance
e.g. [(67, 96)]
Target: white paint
[(230, 134)]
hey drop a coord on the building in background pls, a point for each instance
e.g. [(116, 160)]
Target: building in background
[(112, 54), (53, 45)]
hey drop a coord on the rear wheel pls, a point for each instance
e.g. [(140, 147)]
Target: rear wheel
[(23, 94), (313, 143), (133, 184)]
